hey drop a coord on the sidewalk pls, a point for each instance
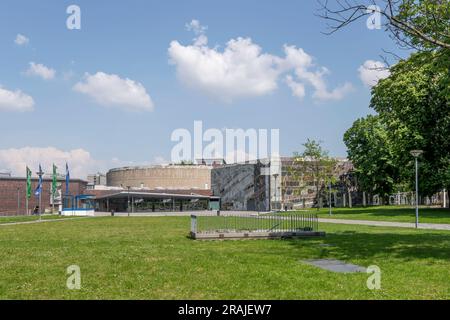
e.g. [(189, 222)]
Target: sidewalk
[(39, 221), (429, 226)]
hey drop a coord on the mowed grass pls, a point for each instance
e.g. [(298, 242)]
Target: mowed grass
[(386, 213), (152, 258)]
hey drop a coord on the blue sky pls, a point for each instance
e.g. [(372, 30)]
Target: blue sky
[(130, 39)]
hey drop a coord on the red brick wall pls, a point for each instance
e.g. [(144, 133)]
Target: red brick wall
[(11, 187)]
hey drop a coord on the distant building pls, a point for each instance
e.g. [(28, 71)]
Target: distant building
[(167, 177), (265, 185), (242, 186), (13, 193), (97, 179)]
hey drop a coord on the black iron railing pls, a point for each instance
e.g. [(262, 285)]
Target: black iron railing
[(254, 223)]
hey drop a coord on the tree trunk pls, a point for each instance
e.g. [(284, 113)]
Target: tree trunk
[(349, 199)]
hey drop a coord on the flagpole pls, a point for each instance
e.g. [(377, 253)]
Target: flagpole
[(40, 205), (40, 174), (26, 189)]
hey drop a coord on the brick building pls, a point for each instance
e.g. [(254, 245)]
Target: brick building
[(13, 192)]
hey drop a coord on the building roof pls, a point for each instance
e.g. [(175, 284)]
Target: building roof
[(122, 194), (161, 166)]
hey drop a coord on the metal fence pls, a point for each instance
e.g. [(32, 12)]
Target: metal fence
[(254, 223)]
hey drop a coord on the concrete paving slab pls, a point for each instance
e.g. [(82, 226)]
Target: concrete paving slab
[(335, 265)]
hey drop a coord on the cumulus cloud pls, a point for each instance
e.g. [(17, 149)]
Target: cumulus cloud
[(21, 40), (242, 69), (80, 161), (373, 71), (39, 70), (15, 101), (298, 89), (111, 90)]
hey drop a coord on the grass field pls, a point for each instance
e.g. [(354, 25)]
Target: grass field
[(387, 213), (151, 258)]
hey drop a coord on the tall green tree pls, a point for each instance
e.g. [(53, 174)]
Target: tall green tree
[(414, 104), (314, 165), (370, 150)]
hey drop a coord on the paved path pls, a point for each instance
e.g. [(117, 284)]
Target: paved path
[(38, 221), (177, 213), (428, 226), (432, 226)]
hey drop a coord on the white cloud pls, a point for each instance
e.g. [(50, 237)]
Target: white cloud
[(298, 89), (15, 101), (80, 161), (37, 69), (21, 40), (372, 71), (302, 64), (242, 69), (195, 26), (111, 90)]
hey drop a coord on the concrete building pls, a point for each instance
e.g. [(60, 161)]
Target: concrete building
[(96, 179), (13, 193), (265, 185), (165, 177), (242, 186)]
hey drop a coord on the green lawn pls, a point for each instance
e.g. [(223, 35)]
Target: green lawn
[(11, 219), (151, 258), (387, 213)]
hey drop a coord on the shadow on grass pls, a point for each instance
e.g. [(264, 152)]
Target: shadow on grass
[(364, 245)]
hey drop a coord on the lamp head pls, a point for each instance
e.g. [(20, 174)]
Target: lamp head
[(416, 153)]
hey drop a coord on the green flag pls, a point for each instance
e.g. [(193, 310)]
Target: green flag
[(54, 181), (28, 183)]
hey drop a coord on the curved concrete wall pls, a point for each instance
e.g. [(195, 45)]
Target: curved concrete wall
[(161, 177)]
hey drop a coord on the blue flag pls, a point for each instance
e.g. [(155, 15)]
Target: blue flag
[(38, 190), (67, 179)]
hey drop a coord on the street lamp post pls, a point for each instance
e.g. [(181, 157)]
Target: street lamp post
[(276, 186), (329, 199), (128, 204), (416, 154)]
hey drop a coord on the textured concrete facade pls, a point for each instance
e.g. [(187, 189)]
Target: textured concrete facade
[(265, 185), (13, 190), (242, 187), (161, 177)]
